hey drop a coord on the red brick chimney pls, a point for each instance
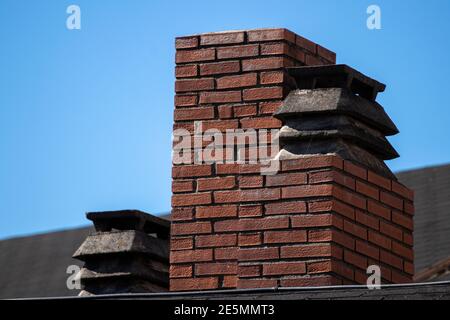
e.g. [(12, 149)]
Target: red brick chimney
[(331, 210)]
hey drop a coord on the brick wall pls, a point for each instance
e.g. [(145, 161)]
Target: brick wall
[(319, 221)]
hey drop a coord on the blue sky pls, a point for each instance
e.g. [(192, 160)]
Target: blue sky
[(86, 116)]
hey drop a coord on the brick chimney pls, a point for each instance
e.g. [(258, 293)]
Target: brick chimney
[(332, 207)]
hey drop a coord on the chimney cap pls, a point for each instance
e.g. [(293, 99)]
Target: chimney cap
[(129, 220), (336, 76)]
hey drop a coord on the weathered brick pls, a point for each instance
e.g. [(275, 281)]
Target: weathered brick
[(367, 249), (310, 281), (284, 268), (194, 284), (307, 191), (403, 251), (367, 190), (327, 54), (191, 256), (219, 183), (350, 197), (249, 271), (191, 171), (181, 243), (221, 38), (216, 212), (220, 97), (355, 259), (379, 180), (209, 269), (380, 240), (220, 68), (367, 220), (403, 220), (306, 251), (244, 110), (320, 235), (313, 162), (203, 113), (186, 71), (191, 228), (270, 35), (288, 179), (272, 77), (194, 85), (296, 236), (230, 282), (319, 267), (269, 107), (186, 200), (225, 111), (256, 283), (216, 240), (242, 51), (185, 100), (182, 186), (250, 211), (187, 56), (265, 93), (309, 221), (258, 254), (355, 170), (246, 195), (252, 224), (239, 81), (260, 123), (182, 214), (379, 210), (355, 230), (249, 182), (249, 239), (186, 42), (226, 253), (180, 271), (285, 208), (391, 200), (391, 231), (343, 239), (403, 191), (391, 259), (265, 64), (306, 44)]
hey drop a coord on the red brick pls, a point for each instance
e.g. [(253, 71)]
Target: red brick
[(182, 214), (284, 268), (186, 71), (239, 81), (258, 254), (249, 271), (273, 77), (285, 208), (187, 56), (216, 240), (313, 60), (185, 100), (367, 220), (379, 180), (403, 220), (237, 168), (265, 64), (409, 208), (327, 54), (269, 107), (225, 111), (307, 191), (391, 200), (221, 38), (310, 281), (355, 259), (403, 191), (380, 240), (180, 271), (248, 182), (220, 97), (391, 231), (246, 195), (203, 255), (350, 197), (226, 253), (408, 268), (238, 51), (343, 239), (186, 42), (331, 176), (306, 251), (313, 162), (367, 190), (355, 230), (220, 68), (343, 209), (319, 267), (256, 283), (191, 228), (265, 93), (401, 278), (320, 206), (181, 243), (310, 221), (261, 123), (306, 44), (219, 183), (194, 85), (408, 238), (244, 110), (252, 224), (203, 113), (210, 269), (320, 235), (367, 250), (194, 284), (403, 251), (277, 48), (182, 186), (250, 211), (270, 35), (186, 200), (230, 282), (355, 170), (216, 212), (249, 240), (286, 179), (391, 260), (296, 236), (379, 210)]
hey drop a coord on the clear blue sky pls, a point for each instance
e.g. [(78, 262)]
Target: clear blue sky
[(86, 116)]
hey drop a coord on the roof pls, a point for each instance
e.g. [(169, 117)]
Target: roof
[(432, 217)]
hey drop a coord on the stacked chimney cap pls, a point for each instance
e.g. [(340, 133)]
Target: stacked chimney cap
[(333, 111)]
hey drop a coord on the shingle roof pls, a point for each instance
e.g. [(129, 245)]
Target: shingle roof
[(432, 217)]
